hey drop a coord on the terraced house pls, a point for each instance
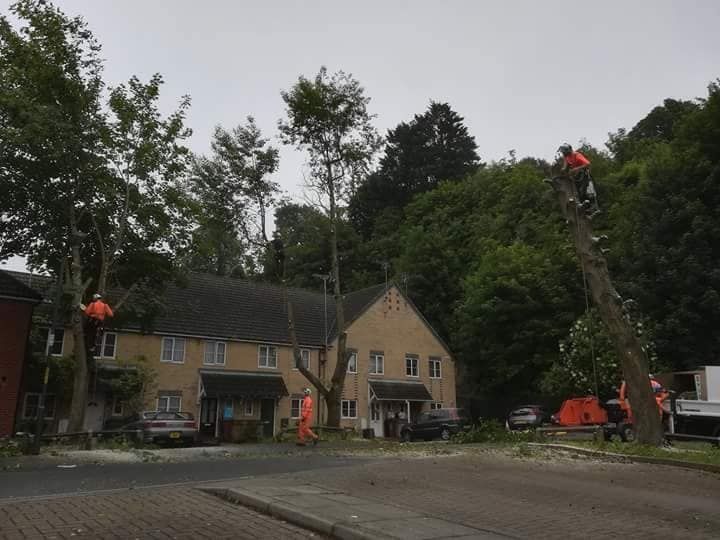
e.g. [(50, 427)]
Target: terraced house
[(221, 350)]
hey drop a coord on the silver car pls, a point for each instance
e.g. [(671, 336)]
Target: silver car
[(163, 426)]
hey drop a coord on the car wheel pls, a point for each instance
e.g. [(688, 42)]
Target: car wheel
[(406, 436), (445, 434), (626, 432)]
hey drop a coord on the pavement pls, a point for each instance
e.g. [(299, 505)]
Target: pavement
[(159, 513), (66, 476), (489, 495)]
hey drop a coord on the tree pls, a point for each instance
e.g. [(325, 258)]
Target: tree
[(85, 182), (588, 363), (610, 305), (328, 118), (306, 234), (232, 191), (419, 154)]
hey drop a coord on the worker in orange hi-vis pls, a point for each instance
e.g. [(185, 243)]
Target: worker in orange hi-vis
[(96, 312), (304, 430)]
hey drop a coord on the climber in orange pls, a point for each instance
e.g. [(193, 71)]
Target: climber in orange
[(577, 166), (304, 430), (96, 311)]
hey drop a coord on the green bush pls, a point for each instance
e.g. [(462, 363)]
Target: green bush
[(493, 431)]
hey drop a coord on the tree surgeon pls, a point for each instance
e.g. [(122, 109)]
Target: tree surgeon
[(577, 167), (304, 430), (95, 312)]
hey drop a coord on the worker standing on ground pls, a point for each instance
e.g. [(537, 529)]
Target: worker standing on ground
[(304, 430), (96, 311), (577, 166)]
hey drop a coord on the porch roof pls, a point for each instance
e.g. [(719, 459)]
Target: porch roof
[(242, 384), (399, 391)]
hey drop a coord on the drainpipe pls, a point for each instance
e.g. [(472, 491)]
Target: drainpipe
[(407, 404)]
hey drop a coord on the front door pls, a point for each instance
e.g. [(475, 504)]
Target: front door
[(267, 417), (376, 418), (208, 416)]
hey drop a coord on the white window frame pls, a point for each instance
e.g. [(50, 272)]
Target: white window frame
[(304, 354), (173, 341), (353, 361), (46, 330), (37, 394), (114, 407), (438, 363), (342, 408), (268, 348), (103, 344), (299, 407), (373, 364), (436, 405), (214, 345), (246, 411), (409, 366), (168, 398)]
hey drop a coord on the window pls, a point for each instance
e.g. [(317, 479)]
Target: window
[(105, 345), (248, 407), (436, 405), (352, 363), (169, 403), (435, 371), (214, 353), (411, 366), (377, 364), (267, 356), (295, 407), (304, 358), (173, 350), (31, 403), (57, 346), (349, 408), (117, 407)]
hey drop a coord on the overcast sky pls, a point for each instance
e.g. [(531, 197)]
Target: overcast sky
[(526, 75)]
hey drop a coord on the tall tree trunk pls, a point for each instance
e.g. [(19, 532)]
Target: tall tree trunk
[(337, 382), (648, 425), (80, 373)]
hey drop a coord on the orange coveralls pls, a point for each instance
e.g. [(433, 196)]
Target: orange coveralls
[(304, 430)]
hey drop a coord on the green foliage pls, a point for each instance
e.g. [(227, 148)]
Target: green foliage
[(492, 431), (134, 385), (232, 192), (574, 373), (432, 147)]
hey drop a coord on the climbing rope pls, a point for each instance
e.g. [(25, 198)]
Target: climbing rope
[(587, 295)]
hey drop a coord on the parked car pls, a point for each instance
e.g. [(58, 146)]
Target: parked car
[(527, 417), (441, 423), (163, 426)]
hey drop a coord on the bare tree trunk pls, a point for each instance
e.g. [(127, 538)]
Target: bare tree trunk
[(648, 425), (80, 374), (337, 382)]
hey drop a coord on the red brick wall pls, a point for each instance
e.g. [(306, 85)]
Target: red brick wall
[(14, 327)]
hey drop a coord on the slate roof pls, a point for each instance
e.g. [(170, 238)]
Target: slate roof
[(205, 305), (14, 289), (400, 390), (244, 384)]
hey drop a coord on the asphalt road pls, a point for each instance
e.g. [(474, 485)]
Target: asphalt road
[(46, 478)]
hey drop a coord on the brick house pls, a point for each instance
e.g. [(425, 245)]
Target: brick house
[(221, 350), (17, 302)]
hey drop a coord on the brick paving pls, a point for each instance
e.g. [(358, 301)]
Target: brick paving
[(162, 513), (534, 498)]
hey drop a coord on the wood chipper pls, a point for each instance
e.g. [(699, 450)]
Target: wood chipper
[(613, 416)]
